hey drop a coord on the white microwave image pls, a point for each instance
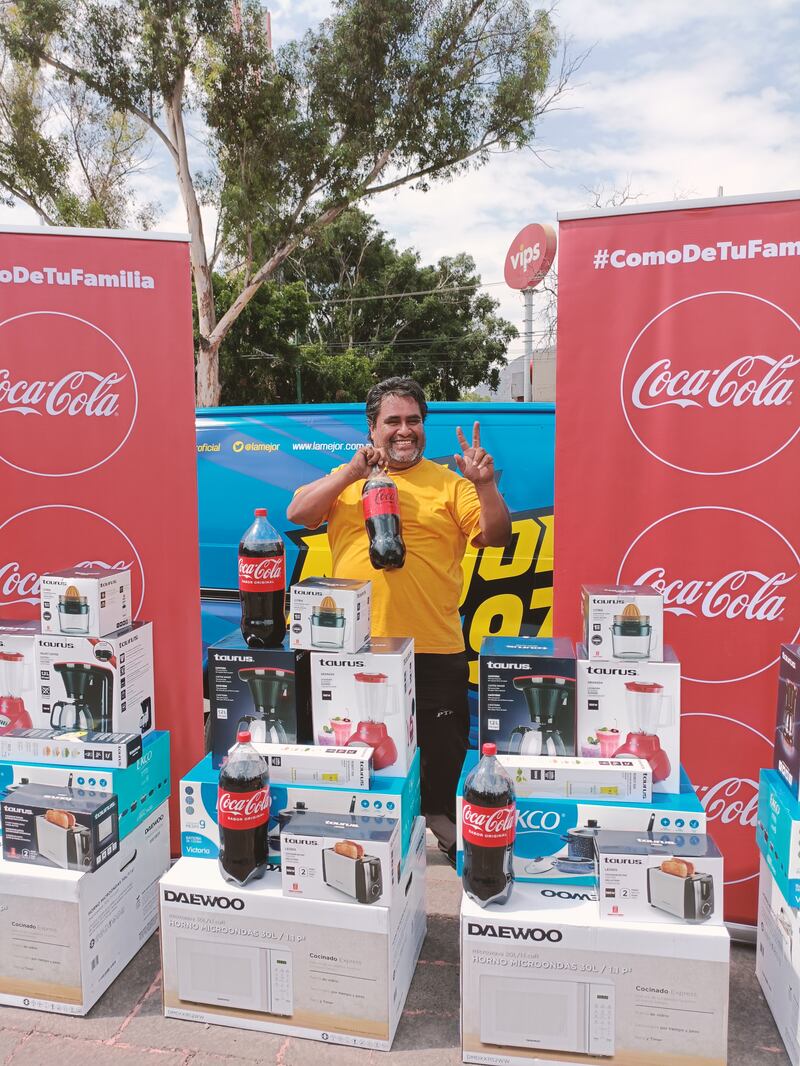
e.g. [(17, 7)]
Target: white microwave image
[(241, 976)]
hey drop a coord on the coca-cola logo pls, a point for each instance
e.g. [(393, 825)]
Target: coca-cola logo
[(68, 395), (731, 588), (261, 569), (708, 385), (494, 822), (244, 805)]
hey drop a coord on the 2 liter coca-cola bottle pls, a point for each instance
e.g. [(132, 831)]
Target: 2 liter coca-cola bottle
[(382, 518), (489, 820), (262, 584), (243, 813)]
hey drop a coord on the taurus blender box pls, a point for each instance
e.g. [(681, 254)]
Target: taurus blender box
[(71, 747), (266, 689), (778, 833), (66, 935), (51, 825), (623, 622), (330, 614), (368, 699), (545, 979), (85, 601), (778, 959), (103, 685), (632, 708), (252, 959), (626, 778), (526, 695), (18, 698), (659, 877), (786, 750)]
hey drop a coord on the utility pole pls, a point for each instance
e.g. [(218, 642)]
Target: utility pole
[(527, 345)]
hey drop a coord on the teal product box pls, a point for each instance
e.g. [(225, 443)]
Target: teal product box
[(140, 788), (393, 798), (555, 836), (778, 833)]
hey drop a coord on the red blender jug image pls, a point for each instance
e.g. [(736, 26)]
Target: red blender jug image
[(13, 714), (373, 695), (648, 711), (551, 701), (272, 690)]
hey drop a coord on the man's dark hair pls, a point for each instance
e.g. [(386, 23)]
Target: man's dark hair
[(394, 387)]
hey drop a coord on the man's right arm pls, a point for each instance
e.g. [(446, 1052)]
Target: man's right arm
[(312, 503)]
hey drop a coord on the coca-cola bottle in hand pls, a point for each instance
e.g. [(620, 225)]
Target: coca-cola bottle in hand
[(489, 821), (262, 584), (243, 813), (382, 518)]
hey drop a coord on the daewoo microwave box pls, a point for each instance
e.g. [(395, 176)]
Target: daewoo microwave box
[(544, 979), (778, 960), (251, 958)]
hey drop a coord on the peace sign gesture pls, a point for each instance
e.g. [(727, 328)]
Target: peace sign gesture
[(475, 463)]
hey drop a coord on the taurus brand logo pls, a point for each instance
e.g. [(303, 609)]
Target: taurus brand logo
[(508, 666), (550, 893), (513, 932), (352, 663), (786, 659), (248, 805), (198, 899), (537, 820), (77, 392), (234, 658), (623, 862), (57, 644), (721, 802), (261, 569), (612, 670), (25, 587), (723, 597), (757, 380)]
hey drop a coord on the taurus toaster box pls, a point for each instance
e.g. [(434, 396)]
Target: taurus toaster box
[(350, 858), (86, 602), (55, 826), (330, 614), (659, 877)]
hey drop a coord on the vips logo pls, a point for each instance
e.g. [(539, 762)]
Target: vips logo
[(708, 385), (731, 583), (68, 395)]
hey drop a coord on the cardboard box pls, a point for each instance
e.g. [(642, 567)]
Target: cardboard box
[(778, 833), (546, 980), (81, 930), (620, 702), (786, 750), (389, 798), (554, 841), (253, 959), (298, 764), (623, 622), (330, 614), (614, 780), (113, 676), (18, 696), (659, 877), (84, 601), (267, 688), (526, 696), (66, 747), (778, 960), (368, 698)]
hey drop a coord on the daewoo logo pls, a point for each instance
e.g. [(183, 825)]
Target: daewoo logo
[(561, 893), (149, 828), (199, 899), (751, 594), (78, 392), (758, 380), (514, 932)]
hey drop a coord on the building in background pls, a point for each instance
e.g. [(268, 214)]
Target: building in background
[(544, 378)]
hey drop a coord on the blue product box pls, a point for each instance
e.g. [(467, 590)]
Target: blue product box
[(778, 833), (391, 797), (140, 788), (554, 842)]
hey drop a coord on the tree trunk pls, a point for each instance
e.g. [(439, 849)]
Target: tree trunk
[(208, 388)]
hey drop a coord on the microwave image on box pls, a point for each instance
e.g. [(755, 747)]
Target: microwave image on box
[(547, 1013), (346, 867), (680, 890), (239, 976)]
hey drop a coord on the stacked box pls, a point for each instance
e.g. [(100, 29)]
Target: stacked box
[(84, 601)]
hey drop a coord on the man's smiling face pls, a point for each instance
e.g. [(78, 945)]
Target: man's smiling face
[(399, 430)]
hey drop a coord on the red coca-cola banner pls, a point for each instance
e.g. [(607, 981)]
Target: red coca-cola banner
[(676, 466), (97, 445)]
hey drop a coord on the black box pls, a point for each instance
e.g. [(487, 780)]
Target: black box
[(51, 825), (786, 752)]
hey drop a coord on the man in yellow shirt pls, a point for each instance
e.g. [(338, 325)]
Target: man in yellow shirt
[(441, 514)]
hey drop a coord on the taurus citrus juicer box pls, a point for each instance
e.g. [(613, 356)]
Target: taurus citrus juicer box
[(85, 601), (101, 685), (266, 689), (368, 699), (18, 698), (623, 622), (330, 614), (526, 696), (786, 750)]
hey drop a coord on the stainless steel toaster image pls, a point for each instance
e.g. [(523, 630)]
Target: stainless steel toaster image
[(690, 898), (361, 878)]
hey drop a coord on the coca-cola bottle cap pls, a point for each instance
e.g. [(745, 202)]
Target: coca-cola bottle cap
[(489, 749), (261, 512), (243, 736)]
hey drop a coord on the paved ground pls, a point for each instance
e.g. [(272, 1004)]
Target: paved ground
[(127, 1026)]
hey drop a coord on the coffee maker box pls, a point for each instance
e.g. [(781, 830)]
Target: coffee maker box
[(547, 979), (251, 958), (623, 622), (330, 614), (101, 685), (632, 708), (18, 698), (659, 877), (85, 601), (81, 929), (268, 689), (778, 959), (368, 698), (346, 858), (526, 697), (786, 750)]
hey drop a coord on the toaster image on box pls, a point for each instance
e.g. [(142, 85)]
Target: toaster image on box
[(681, 891), (347, 868), (70, 848)]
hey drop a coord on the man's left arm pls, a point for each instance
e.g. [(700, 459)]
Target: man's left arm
[(477, 466)]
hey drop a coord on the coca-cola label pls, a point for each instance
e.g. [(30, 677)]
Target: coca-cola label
[(489, 827), (242, 810), (262, 575), (381, 500)]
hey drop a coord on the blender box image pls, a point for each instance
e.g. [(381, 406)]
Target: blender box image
[(546, 979), (778, 959), (526, 695), (266, 689), (623, 622), (49, 824), (18, 697), (81, 929), (626, 778), (554, 841), (632, 708), (778, 833), (85, 601), (368, 699), (251, 958), (330, 614), (391, 798), (786, 750), (101, 685), (336, 857), (659, 877), (71, 747)]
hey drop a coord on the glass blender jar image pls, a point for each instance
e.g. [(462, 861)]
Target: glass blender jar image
[(327, 625), (13, 713), (648, 711), (272, 690), (373, 695), (631, 633), (73, 612), (548, 698)]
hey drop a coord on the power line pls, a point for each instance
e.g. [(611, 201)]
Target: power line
[(400, 295)]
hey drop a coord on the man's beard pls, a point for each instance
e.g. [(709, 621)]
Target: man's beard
[(404, 458)]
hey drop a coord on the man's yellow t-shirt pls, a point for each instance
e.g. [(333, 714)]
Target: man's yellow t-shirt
[(440, 512)]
